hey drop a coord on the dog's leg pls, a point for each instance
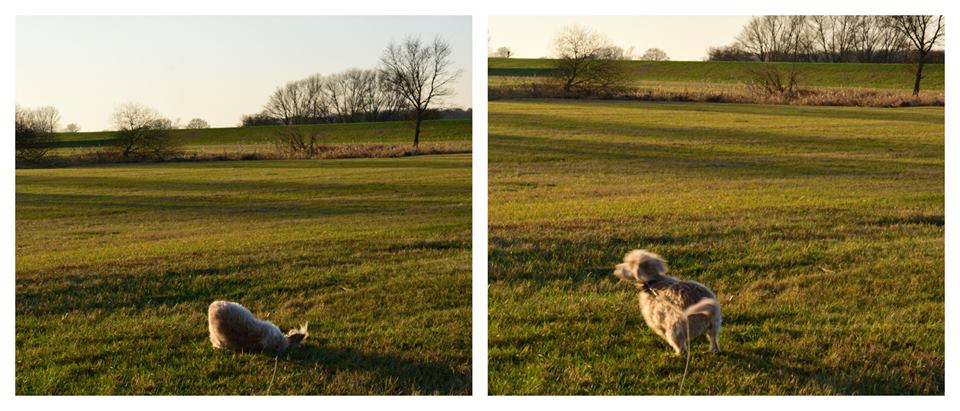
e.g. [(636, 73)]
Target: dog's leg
[(713, 334), (678, 338)]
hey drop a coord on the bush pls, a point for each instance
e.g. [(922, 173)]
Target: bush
[(771, 81), (143, 134), (33, 138), (153, 142), (297, 143)]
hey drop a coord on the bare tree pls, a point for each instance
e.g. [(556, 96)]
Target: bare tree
[(142, 132), (315, 102), (198, 123), (286, 103), (419, 72), (503, 52), (586, 60), (47, 118), (384, 102), (754, 38), (33, 134), (654, 54), (72, 128), (923, 32), (350, 93)]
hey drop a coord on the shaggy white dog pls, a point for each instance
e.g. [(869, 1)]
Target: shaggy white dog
[(234, 327), (669, 306)]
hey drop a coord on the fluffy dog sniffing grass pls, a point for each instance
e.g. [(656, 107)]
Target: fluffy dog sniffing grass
[(234, 327), (678, 311)]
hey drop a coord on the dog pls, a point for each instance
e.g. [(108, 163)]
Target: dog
[(234, 327), (669, 306)]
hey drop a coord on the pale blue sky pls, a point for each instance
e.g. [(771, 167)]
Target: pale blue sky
[(682, 37), (215, 68)]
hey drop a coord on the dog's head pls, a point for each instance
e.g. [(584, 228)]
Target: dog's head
[(641, 266), (296, 336)]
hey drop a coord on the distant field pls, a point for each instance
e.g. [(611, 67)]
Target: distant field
[(821, 229), (884, 76), (389, 132), (116, 266)]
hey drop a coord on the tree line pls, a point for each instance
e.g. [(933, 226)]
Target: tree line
[(410, 80), (834, 39), (351, 96)]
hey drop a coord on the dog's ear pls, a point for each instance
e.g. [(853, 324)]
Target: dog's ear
[(652, 265), (296, 336)]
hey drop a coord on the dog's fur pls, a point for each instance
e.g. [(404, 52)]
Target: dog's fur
[(669, 305), (234, 327)]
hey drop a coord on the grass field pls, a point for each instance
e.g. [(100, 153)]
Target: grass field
[(856, 75), (116, 266), (821, 229), (388, 132)]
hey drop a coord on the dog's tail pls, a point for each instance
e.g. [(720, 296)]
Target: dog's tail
[(706, 306)]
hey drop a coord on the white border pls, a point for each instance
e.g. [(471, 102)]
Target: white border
[(480, 10)]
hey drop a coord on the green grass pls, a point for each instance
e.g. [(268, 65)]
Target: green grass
[(858, 75), (821, 230), (389, 132), (116, 266)]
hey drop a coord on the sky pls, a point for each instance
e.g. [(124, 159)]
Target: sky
[(214, 68), (684, 38)]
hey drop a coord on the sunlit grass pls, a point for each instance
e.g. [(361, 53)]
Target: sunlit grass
[(117, 264), (819, 228), (858, 75)]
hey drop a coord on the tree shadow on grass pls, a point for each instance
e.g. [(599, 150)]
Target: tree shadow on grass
[(410, 376)]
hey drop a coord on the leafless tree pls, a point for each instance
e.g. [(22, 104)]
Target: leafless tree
[(755, 37), (421, 73), (384, 102), (198, 123), (923, 32), (503, 52), (72, 128), (315, 103), (654, 54), (350, 93), (143, 133), (33, 134), (47, 118), (586, 60), (835, 36)]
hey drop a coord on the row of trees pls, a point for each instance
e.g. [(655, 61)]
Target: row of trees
[(351, 96), (864, 39), (141, 132), (412, 78)]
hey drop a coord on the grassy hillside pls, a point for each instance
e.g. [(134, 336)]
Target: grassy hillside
[(821, 229), (116, 266), (379, 132), (887, 76)]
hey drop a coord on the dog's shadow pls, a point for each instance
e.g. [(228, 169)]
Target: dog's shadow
[(408, 375)]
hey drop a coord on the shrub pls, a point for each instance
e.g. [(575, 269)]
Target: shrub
[(33, 138)]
